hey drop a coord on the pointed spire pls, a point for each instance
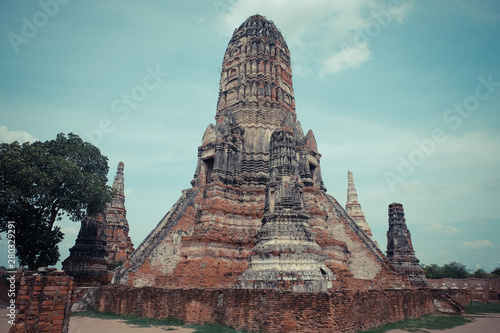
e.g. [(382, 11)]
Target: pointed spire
[(352, 196), (353, 207), (118, 242), (118, 185)]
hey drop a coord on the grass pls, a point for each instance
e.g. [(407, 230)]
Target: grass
[(135, 320), (439, 322), (480, 308), (426, 322), (214, 328)]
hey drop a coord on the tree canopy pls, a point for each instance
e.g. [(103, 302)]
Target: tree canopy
[(456, 270), (41, 181)]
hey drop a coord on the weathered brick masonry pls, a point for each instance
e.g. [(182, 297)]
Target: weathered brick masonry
[(479, 290), (44, 303), (270, 310)]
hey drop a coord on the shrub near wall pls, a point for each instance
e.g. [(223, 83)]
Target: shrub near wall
[(270, 311)]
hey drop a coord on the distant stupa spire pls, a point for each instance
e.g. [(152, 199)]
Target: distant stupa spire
[(118, 242), (353, 207), (118, 183)]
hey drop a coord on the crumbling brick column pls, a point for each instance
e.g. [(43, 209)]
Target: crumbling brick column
[(44, 303)]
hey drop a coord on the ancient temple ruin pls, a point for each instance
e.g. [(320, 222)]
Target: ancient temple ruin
[(256, 243), (257, 214), (102, 242), (400, 249)]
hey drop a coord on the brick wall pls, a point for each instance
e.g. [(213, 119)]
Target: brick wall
[(270, 311), (480, 290), (44, 303)]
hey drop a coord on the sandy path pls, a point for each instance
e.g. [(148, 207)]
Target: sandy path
[(488, 323), (94, 325)]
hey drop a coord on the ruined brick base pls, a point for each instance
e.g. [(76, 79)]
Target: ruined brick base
[(271, 311), (44, 303), (480, 290), (450, 301)]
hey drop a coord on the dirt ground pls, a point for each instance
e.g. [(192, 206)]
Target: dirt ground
[(94, 325), (489, 323)]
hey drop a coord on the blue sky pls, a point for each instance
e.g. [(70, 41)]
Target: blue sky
[(405, 94)]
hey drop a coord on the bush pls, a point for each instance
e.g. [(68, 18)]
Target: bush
[(496, 272), (453, 270)]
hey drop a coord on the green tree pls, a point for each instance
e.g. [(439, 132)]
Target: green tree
[(455, 270), (41, 181), (496, 272), (481, 274), (433, 271)]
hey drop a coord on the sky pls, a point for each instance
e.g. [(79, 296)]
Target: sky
[(405, 94)]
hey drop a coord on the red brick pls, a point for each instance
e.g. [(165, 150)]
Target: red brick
[(57, 317)]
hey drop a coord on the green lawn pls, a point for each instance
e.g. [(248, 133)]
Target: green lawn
[(479, 308), (439, 322)]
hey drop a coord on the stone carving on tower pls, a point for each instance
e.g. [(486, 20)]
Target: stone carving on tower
[(353, 207), (257, 214), (400, 249)]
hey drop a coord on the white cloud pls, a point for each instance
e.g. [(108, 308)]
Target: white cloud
[(416, 187), (440, 228), (477, 244), (338, 28), (444, 253), (474, 147), (350, 57), (401, 11), (7, 136), (491, 185)]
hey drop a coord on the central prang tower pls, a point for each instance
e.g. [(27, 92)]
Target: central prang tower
[(255, 98), (257, 215), (256, 87)]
